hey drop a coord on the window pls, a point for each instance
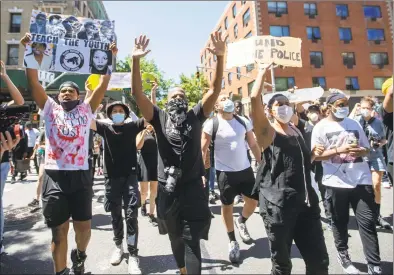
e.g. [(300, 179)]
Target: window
[(378, 82), (240, 91), (352, 83), (209, 62), (372, 12), (250, 87), (236, 30), (76, 4), (227, 40), (313, 33), (234, 10), (284, 83), (375, 34), (223, 83), (249, 67), (202, 59), (249, 34), (225, 23), (342, 10), (279, 31), (319, 81), (230, 78), (210, 76), (238, 73), (345, 34), (316, 58), (214, 58), (246, 18), (379, 59), (348, 59), (277, 8), (13, 52), (15, 24), (310, 9), (59, 11)]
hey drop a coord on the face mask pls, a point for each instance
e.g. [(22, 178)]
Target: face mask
[(177, 109), (228, 106), (283, 113), (314, 117), (341, 112), (365, 113), (118, 118), (69, 104), (211, 114)]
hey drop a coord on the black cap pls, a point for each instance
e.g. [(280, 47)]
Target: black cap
[(69, 84), (315, 108), (117, 103)]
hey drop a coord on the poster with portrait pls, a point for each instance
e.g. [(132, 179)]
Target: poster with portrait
[(65, 43)]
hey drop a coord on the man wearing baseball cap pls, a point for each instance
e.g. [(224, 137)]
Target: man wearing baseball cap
[(121, 183), (67, 188), (342, 144)]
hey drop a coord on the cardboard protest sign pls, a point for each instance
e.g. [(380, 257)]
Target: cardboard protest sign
[(265, 49), (65, 43), (120, 81)]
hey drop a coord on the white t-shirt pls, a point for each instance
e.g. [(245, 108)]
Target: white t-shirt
[(66, 136), (32, 136), (31, 62), (230, 151), (342, 171)]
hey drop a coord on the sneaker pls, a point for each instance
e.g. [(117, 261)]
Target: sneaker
[(374, 269), (153, 220), (212, 199), (233, 252), (237, 199), (23, 177), (34, 203), (383, 223), (143, 210), (386, 184), (117, 255), (243, 231), (134, 265), (346, 263), (66, 272), (78, 261), (13, 180)]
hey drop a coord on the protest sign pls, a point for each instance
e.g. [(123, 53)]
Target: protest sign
[(265, 49), (65, 43), (119, 81)]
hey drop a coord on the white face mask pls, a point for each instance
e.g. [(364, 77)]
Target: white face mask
[(314, 117), (283, 113), (365, 113)]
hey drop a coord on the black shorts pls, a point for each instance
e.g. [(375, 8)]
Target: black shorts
[(67, 194), (232, 184)]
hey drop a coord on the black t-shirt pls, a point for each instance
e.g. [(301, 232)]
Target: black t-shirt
[(177, 149), (387, 119), (150, 145), (120, 151)]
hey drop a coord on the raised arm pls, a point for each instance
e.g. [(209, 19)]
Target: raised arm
[(143, 102), (139, 142), (153, 93), (218, 49), (98, 94), (14, 92), (205, 141), (254, 147), (262, 127), (37, 91)]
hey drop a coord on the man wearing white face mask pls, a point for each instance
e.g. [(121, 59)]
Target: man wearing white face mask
[(348, 180), (234, 173), (121, 183)]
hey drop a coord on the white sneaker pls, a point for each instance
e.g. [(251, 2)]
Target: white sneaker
[(233, 252), (386, 184), (134, 265), (346, 263), (237, 199), (117, 255), (243, 231)]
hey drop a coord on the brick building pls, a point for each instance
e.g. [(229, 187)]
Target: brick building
[(346, 45)]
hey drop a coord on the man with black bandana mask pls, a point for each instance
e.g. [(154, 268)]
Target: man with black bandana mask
[(67, 187), (182, 208)]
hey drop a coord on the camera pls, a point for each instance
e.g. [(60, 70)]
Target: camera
[(173, 176), (10, 115), (375, 142)]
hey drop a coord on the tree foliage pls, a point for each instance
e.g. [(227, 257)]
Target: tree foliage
[(194, 87)]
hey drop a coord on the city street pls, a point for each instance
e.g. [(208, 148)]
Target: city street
[(27, 241)]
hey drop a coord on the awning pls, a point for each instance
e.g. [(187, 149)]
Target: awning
[(18, 77)]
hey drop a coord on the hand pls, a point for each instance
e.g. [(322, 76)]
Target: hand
[(154, 87), (357, 106), (99, 108), (357, 151), (3, 71), (26, 39), (219, 46), (344, 149), (318, 150), (33, 157), (7, 143), (113, 48), (140, 46)]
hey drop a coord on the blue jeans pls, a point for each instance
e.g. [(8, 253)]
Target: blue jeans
[(212, 178), (4, 169)]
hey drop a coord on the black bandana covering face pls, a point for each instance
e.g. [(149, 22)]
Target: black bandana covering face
[(177, 109)]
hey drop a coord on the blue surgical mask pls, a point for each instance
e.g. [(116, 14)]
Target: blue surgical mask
[(341, 112), (228, 106), (118, 118)]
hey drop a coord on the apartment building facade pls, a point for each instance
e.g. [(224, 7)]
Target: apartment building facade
[(346, 45)]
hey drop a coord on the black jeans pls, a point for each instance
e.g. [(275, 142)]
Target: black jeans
[(362, 200), (300, 223), (123, 189), (322, 190)]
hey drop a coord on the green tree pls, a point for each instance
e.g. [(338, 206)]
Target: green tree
[(194, 87)]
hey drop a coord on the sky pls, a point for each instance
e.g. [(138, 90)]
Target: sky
[(177, 30)]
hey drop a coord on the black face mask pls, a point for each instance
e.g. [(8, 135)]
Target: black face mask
[(69, 104), (177, 109)]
